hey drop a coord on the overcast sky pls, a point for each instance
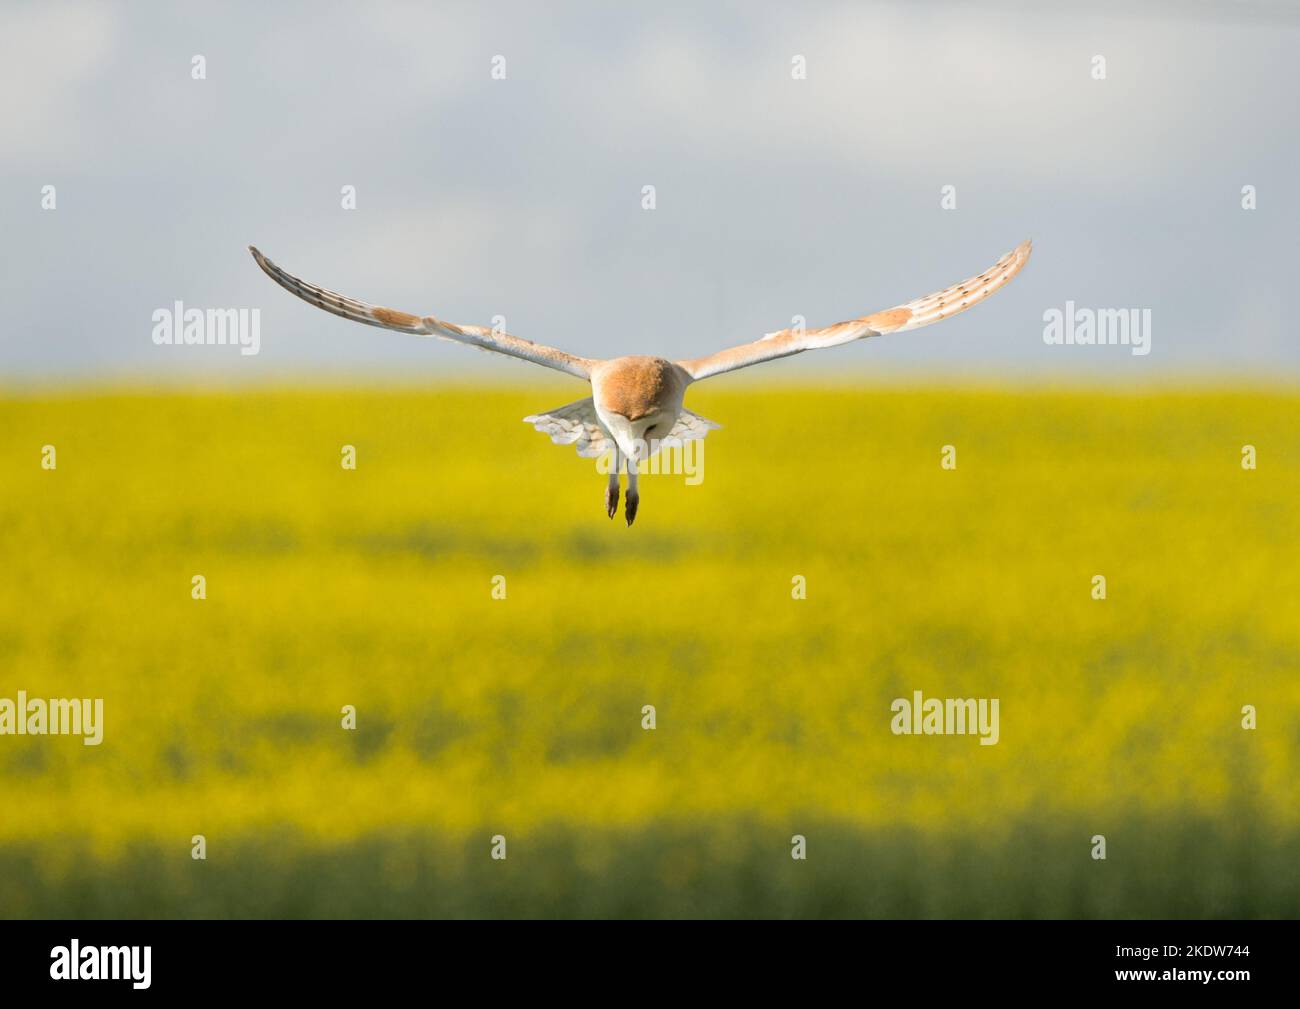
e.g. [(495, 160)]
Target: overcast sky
[(522, 197)]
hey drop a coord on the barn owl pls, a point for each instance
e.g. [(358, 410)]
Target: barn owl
[(635, 407)]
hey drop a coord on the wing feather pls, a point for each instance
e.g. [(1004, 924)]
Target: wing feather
[(689, 427), (481, 337), (574, 424), (913, 315)]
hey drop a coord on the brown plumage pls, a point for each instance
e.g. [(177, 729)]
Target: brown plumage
[(635, 387)]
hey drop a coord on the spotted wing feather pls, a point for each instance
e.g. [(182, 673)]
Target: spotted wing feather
[(575, 424), (481, 337), (913, 315), (689, 427)]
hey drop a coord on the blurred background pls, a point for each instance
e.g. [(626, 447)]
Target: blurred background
[(522, 197)]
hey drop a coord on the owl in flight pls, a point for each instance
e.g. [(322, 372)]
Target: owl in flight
[(635, 407)]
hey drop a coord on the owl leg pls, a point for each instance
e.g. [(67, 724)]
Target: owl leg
[(611, 488), (633, 498)]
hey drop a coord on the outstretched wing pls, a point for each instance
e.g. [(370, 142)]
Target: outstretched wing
[(575, 424), (689, 427), (913, 315), (475, 336)]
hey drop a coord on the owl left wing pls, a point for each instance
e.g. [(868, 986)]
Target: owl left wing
[(689, 427), (913, 315)]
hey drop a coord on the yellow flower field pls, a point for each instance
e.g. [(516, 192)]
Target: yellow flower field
[(522, 717)]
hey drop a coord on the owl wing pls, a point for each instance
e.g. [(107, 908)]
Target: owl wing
[(689, 427), (475, 336), (575, 424), (913, 315)]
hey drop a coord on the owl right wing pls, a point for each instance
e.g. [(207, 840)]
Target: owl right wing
[(575, 424), (475, 336)]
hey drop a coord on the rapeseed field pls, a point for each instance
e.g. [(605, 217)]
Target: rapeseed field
[(523, 718)]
